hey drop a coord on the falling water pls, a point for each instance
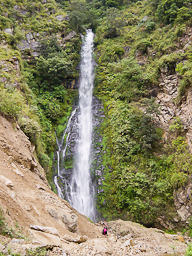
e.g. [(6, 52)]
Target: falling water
[(61, 152), (81, 189)]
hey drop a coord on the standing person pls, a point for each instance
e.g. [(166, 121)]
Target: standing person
[(105, 227)]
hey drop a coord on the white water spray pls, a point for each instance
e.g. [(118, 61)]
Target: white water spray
[(81, 189), (62, 152)]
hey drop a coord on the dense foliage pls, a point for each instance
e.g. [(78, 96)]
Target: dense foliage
[(141, 169)]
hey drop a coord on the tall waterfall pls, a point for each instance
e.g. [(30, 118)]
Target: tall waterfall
[(75, 184), (81, 189)]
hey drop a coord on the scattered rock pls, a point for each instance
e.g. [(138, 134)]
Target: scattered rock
[(16, 249)]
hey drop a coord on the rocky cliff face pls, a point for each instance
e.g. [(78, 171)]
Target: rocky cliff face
[(166, 99)]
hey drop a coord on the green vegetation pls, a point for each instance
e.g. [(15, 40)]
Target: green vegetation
[(9, 231), (38, 252), (189, 250), (141, 169)]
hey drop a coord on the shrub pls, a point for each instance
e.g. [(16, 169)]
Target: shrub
[(30, 127), (11, 102), (176, 126), (189, 250), (115, 21), (38, 252), (44, 160), (170, 10), (179, 179), (2, 221), (142, 45)]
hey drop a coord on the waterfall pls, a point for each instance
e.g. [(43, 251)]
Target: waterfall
[(61, 152), (75, 184), (81, 188)]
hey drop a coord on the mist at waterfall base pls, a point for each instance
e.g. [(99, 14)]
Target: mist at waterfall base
[(79, 189)]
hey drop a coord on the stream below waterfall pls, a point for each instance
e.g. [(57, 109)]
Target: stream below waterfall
[(79, 165)]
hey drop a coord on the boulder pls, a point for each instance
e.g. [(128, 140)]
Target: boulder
[(45, 239), (8, 31), (49, 230), (69, 36), (77, 239), (6, 182), (184, 213), (101, 246), (17, 241), (29, 37), (53, 213), (70, 220), (59, 17)]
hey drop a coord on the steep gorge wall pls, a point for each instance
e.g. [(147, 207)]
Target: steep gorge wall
[(166, 99)]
